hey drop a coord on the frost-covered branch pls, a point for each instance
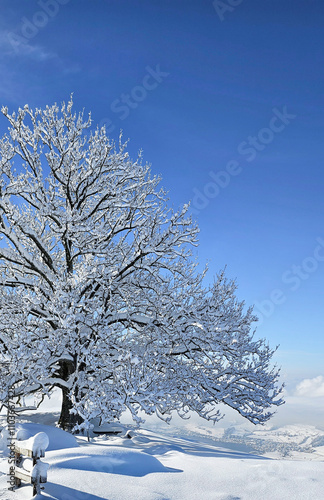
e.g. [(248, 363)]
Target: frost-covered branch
[(98, 292)]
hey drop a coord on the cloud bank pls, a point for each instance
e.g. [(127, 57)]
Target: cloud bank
[(311, 387)]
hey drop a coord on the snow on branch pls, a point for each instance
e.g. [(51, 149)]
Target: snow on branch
[(99, 295)]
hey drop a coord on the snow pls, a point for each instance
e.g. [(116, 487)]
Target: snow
[(40, 470), (26, 464), (57, 439), (170, 463), (92, 251), (37, 444)]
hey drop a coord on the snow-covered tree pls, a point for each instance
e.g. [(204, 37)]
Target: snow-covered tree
[(98, 292)]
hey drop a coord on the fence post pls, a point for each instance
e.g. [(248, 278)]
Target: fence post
[(36, 471)]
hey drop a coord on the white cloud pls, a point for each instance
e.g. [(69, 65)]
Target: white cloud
[(311, 387), (36, 52), (11, 47)]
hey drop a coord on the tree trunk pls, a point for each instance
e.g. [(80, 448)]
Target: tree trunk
[(67, 419)]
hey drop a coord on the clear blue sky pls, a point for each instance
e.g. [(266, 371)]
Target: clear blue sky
[(227, 105)]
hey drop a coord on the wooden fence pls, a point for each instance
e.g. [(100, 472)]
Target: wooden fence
[(29, 468)]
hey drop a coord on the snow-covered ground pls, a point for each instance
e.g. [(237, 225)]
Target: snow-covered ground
[(177, 463)]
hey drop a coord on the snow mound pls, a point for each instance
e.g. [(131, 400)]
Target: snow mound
[(112, 459), (23, 434), (57, 438), (4, 439)]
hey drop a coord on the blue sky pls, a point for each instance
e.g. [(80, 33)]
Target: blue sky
[(227, 105)]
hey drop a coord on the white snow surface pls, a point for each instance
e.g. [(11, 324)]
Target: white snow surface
[(179, 464), (57, 439)]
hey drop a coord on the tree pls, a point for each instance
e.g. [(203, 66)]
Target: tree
[(99, 295)]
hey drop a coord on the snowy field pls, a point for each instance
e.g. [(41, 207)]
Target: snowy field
[(190, 462)]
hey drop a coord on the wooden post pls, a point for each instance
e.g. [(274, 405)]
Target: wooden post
[(36, 485), (17, 461), (23, 474)]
